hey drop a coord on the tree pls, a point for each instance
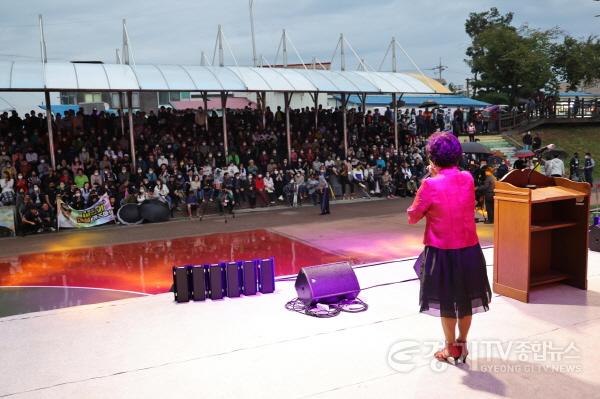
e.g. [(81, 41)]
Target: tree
[(577, 62), (508, 62), (477, 23)]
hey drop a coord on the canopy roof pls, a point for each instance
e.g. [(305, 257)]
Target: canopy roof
[(415, 101), (66, 76)]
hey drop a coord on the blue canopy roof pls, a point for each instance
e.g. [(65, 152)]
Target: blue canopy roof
[(577, 93), (62, 108), (415, 101)]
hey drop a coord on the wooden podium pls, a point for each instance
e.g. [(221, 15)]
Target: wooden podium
[(540, 234)]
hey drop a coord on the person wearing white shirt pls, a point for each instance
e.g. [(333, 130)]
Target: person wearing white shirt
[(161, 191), (555, 167), (31, 156), (270, 187), (110, 153), (232, 169), (162, 161), (7, 183)]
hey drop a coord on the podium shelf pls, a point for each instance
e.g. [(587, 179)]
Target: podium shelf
[(551, 226), (555, 193), (547, 277)]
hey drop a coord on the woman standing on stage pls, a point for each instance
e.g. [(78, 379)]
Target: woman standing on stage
[(452, 268)]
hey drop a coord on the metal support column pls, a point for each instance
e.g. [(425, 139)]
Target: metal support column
[(345, 125), (50, 133), (363, 105), (224, 111), (121, 111), (316, 98), (286, 99), (264, 109), (205, 100), (131, 134), (395, 118)]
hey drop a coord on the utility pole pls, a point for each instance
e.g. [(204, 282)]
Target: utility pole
[(468, 86), (439, 68)]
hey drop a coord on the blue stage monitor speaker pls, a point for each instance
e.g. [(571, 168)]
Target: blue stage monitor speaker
[(233, 286), (181, 284), (327, 284), (215, 278), (266, 276), (249, 282), (198, 278)]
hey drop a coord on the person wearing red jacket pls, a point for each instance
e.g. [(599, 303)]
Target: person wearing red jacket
[(259, 185)]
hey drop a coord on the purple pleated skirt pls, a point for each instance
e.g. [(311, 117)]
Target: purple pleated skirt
[(454, 282)]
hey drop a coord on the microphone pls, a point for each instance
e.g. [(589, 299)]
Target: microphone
[(544, 149)]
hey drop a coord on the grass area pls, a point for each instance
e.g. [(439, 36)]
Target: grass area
[(572, 139)]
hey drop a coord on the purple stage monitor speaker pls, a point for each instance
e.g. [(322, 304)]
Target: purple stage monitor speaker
[(215, 279), (266, 275), (233, 285), (181, 283), (198, 277), (249, 283), (327, 284)]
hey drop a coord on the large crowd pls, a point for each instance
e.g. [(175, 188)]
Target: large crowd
[(180, 159)]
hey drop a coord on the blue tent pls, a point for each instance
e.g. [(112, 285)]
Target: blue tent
[(63, 108), (577, 94), (415, 101)]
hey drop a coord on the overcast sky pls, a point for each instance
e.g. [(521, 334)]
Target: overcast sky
[(176, 31)]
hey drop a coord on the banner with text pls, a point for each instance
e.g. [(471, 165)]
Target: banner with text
[(99, 213), (7, 221)]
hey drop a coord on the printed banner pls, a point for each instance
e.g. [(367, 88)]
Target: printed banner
[(7, 221), (99, 213)]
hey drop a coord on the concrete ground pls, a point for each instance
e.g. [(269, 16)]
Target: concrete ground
[(251, 347)]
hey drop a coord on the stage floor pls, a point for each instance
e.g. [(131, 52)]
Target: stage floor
[(251, 347), (97, 265)]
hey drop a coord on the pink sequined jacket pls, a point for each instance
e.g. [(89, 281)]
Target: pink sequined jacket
[(447, 201)]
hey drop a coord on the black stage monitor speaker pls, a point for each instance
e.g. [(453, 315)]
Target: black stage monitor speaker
[(233, 281), (198, 279), (215, 278), (595, 238), (266, 276), (181, 285), (249, 278), (327, 284), (154, 211)]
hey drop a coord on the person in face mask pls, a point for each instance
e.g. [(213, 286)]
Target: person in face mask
[(123, 176), (142, 196), (21, 183), (96, 178), (151, 176), (588, 168), (77, 202)]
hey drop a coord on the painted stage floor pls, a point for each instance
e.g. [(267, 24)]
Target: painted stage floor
[(71, 271)]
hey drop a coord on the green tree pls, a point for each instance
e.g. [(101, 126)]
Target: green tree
[(477, 23), (577, 62), (508, 62)]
